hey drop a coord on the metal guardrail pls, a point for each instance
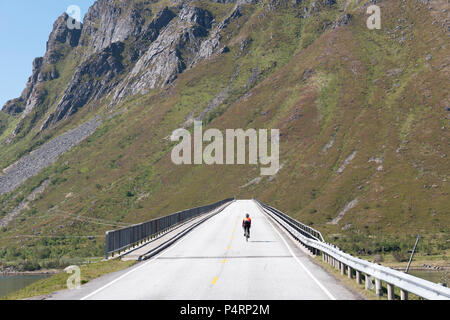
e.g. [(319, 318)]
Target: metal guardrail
[(123, 239), (358, 267), (305, 230)]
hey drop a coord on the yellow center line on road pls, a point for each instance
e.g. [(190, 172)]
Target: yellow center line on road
[(228, 248)]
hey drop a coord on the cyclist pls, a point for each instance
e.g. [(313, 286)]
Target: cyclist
[(246, 224)]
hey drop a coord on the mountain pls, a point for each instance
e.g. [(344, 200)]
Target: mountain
[(363, 116)]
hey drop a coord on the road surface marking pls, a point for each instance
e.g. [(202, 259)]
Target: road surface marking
[(139, 267), (214, 280), (299, 262), (224, 260), (229, 247)]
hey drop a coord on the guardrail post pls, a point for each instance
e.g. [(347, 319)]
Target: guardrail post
[(378, 288), (403, 294), (350, 271), (367, 281), (342, 269), (358, 277), (390, 291), (106, 244)]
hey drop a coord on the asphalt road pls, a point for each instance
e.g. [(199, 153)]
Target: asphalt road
[(215, 262)]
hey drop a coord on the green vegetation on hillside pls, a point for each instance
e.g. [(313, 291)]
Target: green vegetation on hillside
[(333, 93)]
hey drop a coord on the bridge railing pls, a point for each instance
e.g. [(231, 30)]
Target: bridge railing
[(356, 267), (126, 238), (305, 230)]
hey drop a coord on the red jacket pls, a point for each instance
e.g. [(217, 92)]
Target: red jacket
[(247, 222)]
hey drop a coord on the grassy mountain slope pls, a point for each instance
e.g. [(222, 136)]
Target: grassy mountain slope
[(363, 120)]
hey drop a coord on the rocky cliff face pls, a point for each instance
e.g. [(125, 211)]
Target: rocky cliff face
[(43, 67), (92, 80), (127, 49), (108, 21), (173, 50)]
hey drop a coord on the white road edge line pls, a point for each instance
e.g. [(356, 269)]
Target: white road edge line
[(144, 264), (296, 259)]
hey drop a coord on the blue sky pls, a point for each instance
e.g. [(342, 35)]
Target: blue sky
[(24, 29)]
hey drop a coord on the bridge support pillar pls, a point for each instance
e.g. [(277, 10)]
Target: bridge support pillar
[(403, 294), (390, 291), (350, 271), (342, 269), (378, 288), (358, 277)]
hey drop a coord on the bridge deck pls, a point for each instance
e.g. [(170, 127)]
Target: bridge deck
[(215, 262), (149, 247)]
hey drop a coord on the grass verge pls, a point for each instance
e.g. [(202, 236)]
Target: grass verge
[(58, 281)]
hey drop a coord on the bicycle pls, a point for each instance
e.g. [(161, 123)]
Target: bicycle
[(247, 233)]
